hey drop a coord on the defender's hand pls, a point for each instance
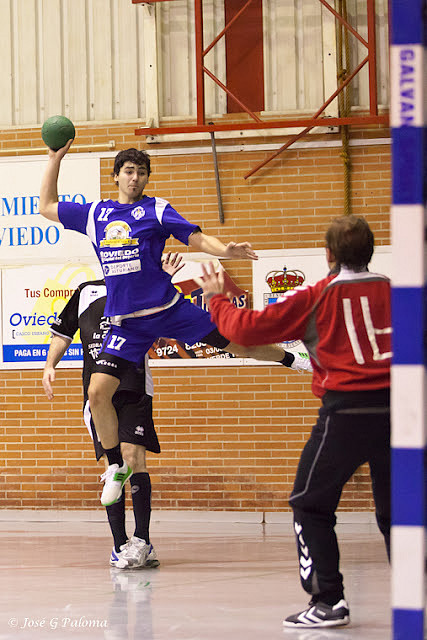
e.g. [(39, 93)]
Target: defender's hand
[(211, 282)]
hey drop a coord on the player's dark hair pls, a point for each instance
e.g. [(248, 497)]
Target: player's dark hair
[(351, 241), (139, 158)]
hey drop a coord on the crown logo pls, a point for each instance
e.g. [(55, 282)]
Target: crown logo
[(281, 281)]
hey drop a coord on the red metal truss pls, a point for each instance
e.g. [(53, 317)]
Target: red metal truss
[(256, 122)]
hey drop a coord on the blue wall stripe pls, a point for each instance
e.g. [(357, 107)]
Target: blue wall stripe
[(408, 149), (408, 313), (408, 22), (408, 624), (408, 486)]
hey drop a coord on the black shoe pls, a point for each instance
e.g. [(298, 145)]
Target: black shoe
[(320, 615)]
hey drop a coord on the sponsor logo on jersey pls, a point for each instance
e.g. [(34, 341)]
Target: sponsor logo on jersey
[(117, 234), (104, 326), (114, 255), (106, 363), (138, 213), (94, 350), (121, 268)]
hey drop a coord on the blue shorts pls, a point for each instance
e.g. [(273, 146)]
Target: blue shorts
[(131, 340)]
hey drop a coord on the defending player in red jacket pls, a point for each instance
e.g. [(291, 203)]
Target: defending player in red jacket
[(344, 321)]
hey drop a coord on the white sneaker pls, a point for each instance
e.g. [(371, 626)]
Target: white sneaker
[(114, 478), (152, 560), (116, 559), (320, 615), (301, 363), (135, 553)]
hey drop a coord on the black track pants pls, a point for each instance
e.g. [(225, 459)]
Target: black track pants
[(338, 445)]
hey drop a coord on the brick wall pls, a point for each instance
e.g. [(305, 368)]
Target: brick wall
[(230, 436)]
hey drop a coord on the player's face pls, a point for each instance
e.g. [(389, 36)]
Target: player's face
[(131, 181)]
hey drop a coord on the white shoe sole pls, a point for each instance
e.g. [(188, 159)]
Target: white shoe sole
[(317, 625)]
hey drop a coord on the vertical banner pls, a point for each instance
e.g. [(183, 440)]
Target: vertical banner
[(32, 298)]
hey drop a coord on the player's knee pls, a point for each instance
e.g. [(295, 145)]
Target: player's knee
[(135, 456), (97, 395)]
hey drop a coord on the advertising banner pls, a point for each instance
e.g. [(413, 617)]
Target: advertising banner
[(25, 236), (32, 298)]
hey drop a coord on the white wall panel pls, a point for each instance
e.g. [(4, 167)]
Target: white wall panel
[(357, 16), (329, 62), (358, 19), (100, 52), (89, 59), (176, 58), (213, 24), (77, 74), (293, 55), (127, 61), (383, 75), (6, 76), (177, 62), (280, 55), (311, 54), (51, 66), (25, 60), (297, 36)]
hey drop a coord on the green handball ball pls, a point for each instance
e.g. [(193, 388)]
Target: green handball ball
[(56, 131)]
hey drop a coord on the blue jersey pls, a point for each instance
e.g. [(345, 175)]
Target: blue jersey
[(129, 240)]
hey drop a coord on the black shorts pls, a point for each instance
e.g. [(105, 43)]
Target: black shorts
[(135, 414)]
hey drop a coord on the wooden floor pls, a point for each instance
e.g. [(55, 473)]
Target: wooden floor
[(216, 581)]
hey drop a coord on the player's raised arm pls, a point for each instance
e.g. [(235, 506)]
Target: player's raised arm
[(213, 246), (48, 205)]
